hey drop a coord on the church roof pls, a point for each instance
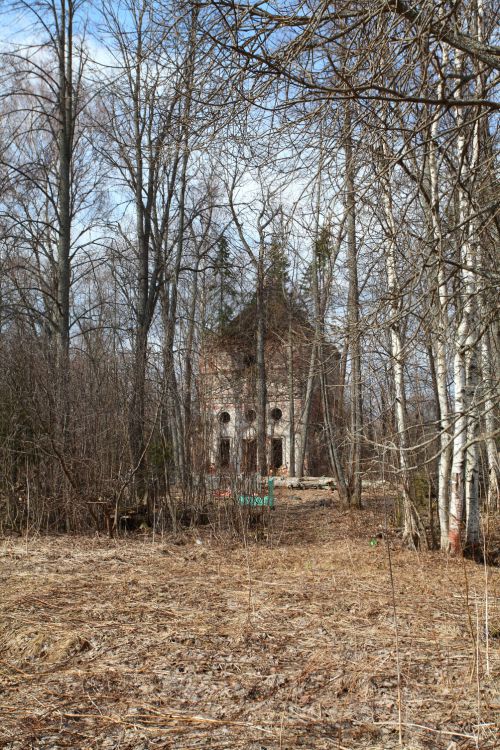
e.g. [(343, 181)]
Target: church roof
[(279, 308)]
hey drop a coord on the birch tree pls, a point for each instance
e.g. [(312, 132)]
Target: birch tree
[(413, 533)]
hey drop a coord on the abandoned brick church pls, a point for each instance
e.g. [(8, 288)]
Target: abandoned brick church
[(228, 383)]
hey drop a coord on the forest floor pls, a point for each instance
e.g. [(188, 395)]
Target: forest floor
[(286, 641)]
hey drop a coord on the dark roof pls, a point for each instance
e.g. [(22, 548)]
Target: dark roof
[(241, 330)]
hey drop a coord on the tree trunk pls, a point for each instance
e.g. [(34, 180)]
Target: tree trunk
[(439, 342), (175, 414), (65, 148), (331, 433), (291, 401), (353, 320), (143, 232), (188, 370), (490, 424), (460, 436), (306, 411), (412, 537), (171, 418), (463, 493), (472, 527), (333, 454), (261, 385)]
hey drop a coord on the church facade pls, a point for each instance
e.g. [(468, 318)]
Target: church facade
[(228, 375)]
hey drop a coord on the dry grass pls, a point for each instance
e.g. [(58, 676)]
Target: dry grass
[(285, 642)]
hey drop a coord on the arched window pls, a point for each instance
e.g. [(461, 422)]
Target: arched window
[(276, 414), (224, 417)]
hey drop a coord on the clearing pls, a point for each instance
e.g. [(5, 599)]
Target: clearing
[(289, 641)]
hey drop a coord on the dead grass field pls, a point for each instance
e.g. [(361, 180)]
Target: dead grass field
[(283, 642)]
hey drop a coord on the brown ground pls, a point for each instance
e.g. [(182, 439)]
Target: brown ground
[(285, 642)]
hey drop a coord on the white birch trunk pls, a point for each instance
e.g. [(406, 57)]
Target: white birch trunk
[(464, 494), (411, 534), (472, 528), (459, 441), (440, 342)]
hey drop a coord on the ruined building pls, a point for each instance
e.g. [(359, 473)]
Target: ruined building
[(228, 378)]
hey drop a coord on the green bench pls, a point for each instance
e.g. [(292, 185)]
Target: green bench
[(255, 501)]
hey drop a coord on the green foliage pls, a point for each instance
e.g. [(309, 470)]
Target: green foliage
[(226, 284), (321, 253), (222, 258), (323, 246), (160, 454), (278, 265)]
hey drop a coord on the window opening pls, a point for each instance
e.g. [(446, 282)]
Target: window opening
[(249, 462), (224, 417), (276, 414), (224, 452), (277, 453)]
